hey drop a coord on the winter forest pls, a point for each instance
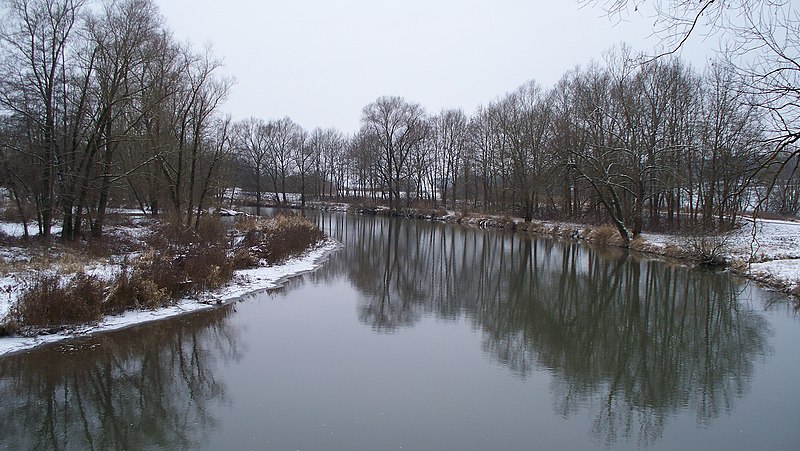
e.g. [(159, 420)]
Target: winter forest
[(100, 108)]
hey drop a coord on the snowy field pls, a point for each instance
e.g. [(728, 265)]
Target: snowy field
[(245, 282)]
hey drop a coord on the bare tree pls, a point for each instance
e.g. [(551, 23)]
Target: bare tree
[(251, 148), (598, 163), (398, 126), (281, 139), (217, 149), (34, 44), (450, 137), (327, 148), (525, 122), (366, 171), (488, 153), (303, 156), (213, 92), (759, 39), (200, 93), (730, 138), (162, 79), (120, 38)]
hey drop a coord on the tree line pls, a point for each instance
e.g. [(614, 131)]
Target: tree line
[(100, 107), (642, 146)]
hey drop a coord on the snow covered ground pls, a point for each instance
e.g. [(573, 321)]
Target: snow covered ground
[(248, 281), (776, 253), (767, 250)]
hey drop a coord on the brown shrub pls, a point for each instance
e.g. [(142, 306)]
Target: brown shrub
[(673, 250), (739, 266), (242, 258), (150, 283), (279, 238), (207, 267), (427, 212), (210, 229), (794, 290), (50, 303), (163, 267), (179, 262)]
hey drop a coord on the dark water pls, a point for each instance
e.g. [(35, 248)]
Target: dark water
[(432, 336)]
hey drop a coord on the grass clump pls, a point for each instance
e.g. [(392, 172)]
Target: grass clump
[(606, 235), (274, 240), (52, 301)]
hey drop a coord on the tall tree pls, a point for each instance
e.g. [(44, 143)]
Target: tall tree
[(34, 53), (120, 39), (251, 148), (281, 139), (304, 158), (450, 137), (398, 125)]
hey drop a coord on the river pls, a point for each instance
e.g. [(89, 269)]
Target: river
[(419, 335)]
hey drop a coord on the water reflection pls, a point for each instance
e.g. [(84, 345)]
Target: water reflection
[(634, 342), (137, 389), (637, 341)]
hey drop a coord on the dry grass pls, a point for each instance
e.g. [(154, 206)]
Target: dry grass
[(242, 258), (177, 262), (50, 302), (180, 261), (604, 235), (275, 240), (738, 266), (795, 291), (673, 250), (506, 222), (637, 244), (149, 283)]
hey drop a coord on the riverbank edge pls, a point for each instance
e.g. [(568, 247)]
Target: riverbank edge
[(670, 246), (597, 235), (246, 284)]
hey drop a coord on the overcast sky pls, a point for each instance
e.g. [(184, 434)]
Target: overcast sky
[(319, 62)]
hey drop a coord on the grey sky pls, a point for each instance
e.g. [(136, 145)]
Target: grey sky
[(320, 62)]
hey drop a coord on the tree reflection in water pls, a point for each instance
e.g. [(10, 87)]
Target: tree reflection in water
[(146, 387), (634, 340)]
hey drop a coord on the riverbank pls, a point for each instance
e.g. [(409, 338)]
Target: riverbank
[(21, 265), (766, 251)]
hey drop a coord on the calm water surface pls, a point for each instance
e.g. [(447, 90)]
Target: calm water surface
[(433, 336)]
